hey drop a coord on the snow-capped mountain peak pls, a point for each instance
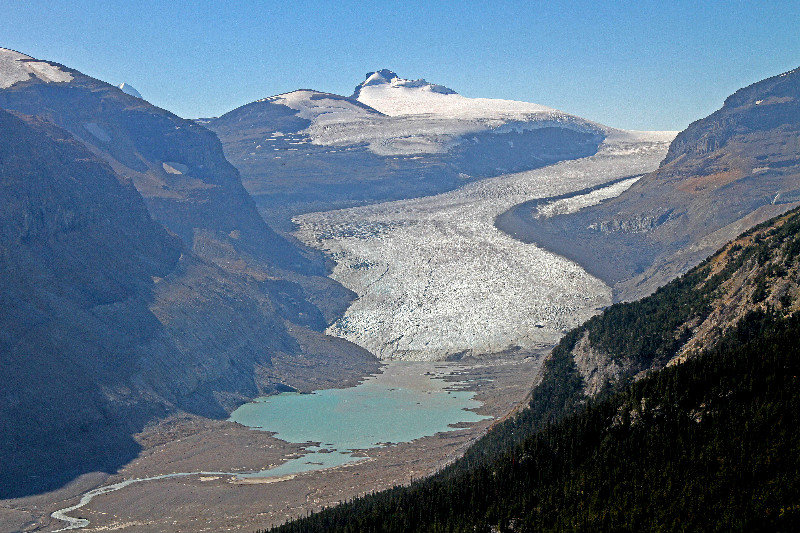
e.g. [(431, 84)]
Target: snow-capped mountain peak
[(127, 89), (386, 77), (376, 78), (393, 116), (392, 95), (16, 67)]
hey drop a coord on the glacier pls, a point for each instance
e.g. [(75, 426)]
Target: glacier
[(435, 279)]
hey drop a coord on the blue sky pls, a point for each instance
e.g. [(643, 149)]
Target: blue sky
[(639, 65)]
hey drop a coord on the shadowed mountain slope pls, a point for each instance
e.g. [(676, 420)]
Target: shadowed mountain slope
[(110, 320), (79, 254), (722, 175)]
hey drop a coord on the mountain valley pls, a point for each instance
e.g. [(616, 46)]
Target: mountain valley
[(582, 289)]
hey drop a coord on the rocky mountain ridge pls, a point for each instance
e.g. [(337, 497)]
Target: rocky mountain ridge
[(308, 151), (756, 272), (723, 174), (238, 311)]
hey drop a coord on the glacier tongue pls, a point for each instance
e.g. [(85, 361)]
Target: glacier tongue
[(434, 277)]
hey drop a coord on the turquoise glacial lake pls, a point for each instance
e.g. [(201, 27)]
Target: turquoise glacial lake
[(405, 402)]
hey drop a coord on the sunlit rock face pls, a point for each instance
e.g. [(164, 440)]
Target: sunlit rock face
[(436, 279)]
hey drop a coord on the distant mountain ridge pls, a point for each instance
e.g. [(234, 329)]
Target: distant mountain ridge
[(138, 139), (308, 151)]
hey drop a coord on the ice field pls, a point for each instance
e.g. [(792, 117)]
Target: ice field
[(435, 278)]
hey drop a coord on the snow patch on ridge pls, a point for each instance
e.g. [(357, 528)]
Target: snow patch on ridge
[(127, 89), (16, 67), (321, 108)]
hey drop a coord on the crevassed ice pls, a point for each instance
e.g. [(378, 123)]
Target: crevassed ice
[(434, 277)]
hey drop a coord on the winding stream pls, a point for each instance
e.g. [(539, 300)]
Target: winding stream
[(79, 523), (405, 402)]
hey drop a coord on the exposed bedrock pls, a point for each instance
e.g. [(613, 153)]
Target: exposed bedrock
[(722, 175)]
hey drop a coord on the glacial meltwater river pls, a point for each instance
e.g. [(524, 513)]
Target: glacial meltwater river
[(406, 401)]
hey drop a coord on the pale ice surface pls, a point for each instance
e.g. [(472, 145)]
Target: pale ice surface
[(338, 121), (394, 96), (16, 67), (434, 277), (576, 203)]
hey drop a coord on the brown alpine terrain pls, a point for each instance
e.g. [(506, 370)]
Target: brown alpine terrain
[(723, 174), (138, 280), (756, 272)]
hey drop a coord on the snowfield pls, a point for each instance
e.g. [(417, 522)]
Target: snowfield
[(16, 67), (391, 95), (435, 278), (337, 121)]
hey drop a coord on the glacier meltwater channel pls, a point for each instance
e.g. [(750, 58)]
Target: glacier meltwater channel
[(405, 402)]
